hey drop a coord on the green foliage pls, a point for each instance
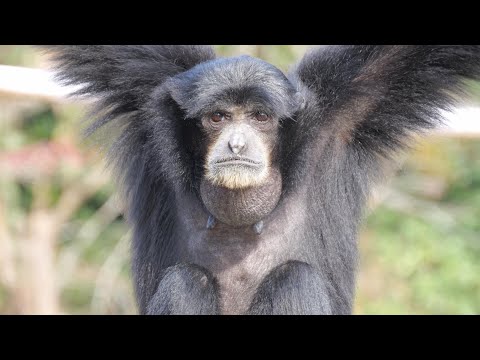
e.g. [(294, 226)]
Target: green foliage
[(18, 55), (474, 87), (40, 125), (77, 296), (24, 196), (440, 268), (92, 204), (430, 265)]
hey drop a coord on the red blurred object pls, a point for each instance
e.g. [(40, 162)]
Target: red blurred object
[(40, 159)]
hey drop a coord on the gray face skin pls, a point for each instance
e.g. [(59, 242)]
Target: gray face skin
[(242, 183)]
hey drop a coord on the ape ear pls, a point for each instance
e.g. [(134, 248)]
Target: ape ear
[(300, 100), (181, 90)]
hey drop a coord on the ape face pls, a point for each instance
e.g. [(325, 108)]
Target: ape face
[(241, 144), (242, 182), (238, 106)]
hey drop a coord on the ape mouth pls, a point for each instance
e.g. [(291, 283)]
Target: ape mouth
[(236, 172), (237, 161)]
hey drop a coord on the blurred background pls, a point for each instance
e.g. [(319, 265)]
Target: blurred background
[(64, 244)]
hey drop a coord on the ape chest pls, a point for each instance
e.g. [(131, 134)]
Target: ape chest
[(238, 265), (240, 258)]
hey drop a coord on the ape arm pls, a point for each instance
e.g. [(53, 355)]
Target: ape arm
[(126, 82), (185, 289), (293, 288), (123, 77), (374, 96)]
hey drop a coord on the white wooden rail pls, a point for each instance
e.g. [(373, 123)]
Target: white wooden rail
[(39, 83), (21, 81)]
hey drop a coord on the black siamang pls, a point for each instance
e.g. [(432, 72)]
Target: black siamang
[(244, 186)]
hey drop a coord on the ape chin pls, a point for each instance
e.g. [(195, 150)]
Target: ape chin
[(245, 187)]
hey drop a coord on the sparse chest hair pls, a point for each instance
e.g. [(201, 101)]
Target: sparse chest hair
[(238, 257)]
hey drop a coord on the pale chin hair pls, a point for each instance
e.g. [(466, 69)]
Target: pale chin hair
[(237, 177)]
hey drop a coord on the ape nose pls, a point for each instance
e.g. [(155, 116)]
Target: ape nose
[(237, 143)]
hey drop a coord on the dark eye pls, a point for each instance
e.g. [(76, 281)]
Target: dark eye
[(217, 117), (261, 116)]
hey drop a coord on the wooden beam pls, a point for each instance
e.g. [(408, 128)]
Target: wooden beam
[(39, 83)]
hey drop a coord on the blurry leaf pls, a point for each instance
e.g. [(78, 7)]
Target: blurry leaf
[(40, 126)]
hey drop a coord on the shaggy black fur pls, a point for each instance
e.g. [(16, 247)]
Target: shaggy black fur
[(343, 111)]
